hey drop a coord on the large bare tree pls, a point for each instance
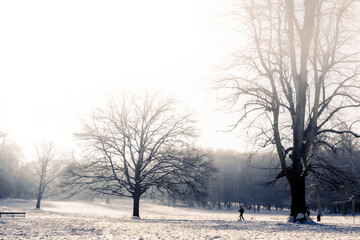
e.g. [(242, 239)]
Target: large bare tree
[(137, 144), (297, 80)]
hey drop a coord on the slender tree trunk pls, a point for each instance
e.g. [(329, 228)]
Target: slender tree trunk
[(298, 203), (136, 201), (343, 204), (319, 204)]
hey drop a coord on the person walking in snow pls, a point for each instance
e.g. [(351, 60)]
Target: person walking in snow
[(241, 210)]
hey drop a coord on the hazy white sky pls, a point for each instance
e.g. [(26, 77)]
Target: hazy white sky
[(58, 59)]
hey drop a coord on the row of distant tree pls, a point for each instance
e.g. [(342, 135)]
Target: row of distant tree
[(138, 149), (12, 183), (240, 179), (250, 179)]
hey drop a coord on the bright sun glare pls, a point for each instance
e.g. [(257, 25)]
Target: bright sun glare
[(58, 59)]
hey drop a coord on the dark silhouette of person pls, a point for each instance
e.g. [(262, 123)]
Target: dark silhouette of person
[(241, 210)]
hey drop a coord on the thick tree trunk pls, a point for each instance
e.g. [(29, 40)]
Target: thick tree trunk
[(298, 203), (38, 201), (136, 205), (40, 191)]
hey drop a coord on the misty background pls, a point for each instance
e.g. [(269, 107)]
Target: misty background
[(59, 60)]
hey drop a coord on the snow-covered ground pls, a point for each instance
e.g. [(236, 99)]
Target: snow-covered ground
[(97, 220)]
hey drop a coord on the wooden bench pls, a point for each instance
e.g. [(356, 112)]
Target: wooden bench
[(22, 214)]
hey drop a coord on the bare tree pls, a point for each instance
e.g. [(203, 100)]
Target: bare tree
[(46, 168), (136, 145), (299, 82)]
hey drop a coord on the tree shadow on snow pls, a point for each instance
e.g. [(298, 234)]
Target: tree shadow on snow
[(253, 225)]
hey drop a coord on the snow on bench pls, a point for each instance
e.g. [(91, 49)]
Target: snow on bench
[(13, 214)]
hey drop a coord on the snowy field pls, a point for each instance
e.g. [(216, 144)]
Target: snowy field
[(97, 220)]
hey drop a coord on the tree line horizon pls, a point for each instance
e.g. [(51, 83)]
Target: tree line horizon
[(241, 179)]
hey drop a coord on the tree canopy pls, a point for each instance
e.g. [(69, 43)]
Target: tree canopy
[(138, 144)]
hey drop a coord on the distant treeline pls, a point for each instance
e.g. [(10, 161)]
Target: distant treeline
[(12, 181), (246, 179), (250, 180)]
